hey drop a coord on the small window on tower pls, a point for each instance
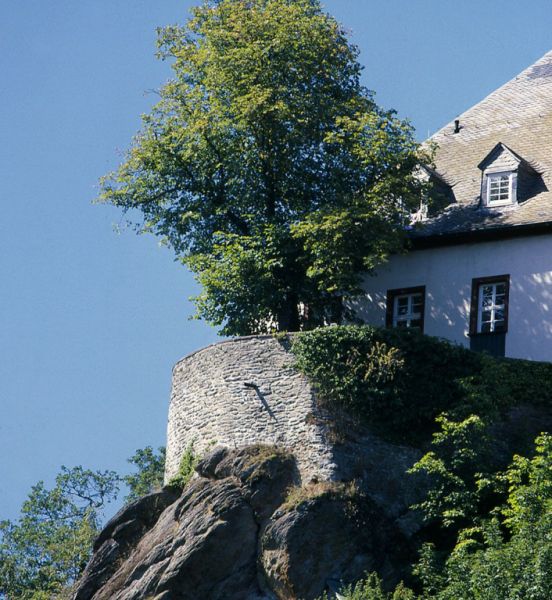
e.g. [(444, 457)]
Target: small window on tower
[(405, 308)]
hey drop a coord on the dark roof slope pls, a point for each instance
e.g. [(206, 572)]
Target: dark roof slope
[(518, 115)]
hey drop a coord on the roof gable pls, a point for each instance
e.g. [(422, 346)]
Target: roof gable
[(505, 158)]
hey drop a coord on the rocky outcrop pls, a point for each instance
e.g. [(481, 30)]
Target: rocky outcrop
[(245, 529)]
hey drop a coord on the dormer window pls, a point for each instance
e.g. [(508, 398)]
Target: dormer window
[(499, 189), (503, 173)]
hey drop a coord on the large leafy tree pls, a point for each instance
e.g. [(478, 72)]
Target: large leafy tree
[(47, 548), (267, 166), (43, 553)]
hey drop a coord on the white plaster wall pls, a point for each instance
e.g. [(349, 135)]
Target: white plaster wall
[(447, 274)]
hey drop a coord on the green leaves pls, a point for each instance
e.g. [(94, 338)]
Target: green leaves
[(43, 553), (150, 473), (454, 466), (50, 544), (400, 381), (267, 166)]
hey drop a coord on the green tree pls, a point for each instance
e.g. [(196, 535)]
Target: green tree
[(506, 552), (267, 166), (455, 466), (150, 472), (509, 554), (48, 547), (43, 553)]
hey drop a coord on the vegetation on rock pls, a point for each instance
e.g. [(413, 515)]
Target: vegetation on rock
[(188, 463), (504, 549), (400, 381)]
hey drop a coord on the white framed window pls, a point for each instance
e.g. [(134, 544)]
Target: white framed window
[(499, 189), (492, 308), (405, 307), (490, 305)]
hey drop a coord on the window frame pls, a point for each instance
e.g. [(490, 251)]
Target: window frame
[(510, 200), (392, 295), (475, 308)]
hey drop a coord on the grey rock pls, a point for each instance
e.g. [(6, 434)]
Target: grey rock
[(201, 543), (207, 465), (233, 533), (121, 533), (329, 538)]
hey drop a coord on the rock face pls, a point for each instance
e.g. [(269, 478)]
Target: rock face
[(236, 532)]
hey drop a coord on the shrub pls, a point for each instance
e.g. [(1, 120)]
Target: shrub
[(371, 588), (399, 381), (188, 463)]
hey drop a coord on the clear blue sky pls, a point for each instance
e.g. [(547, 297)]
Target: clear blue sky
[(91, 322)]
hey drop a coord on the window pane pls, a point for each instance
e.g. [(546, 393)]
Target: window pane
[(492, 307), (416, 323), (402, 323), (487, 291), (487, 302), (402, 301), (499, 188)]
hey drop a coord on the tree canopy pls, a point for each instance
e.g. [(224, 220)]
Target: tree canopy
[(48, 547), (43, 553), (267, 166)]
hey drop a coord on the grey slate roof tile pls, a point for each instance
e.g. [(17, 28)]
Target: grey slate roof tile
[(518, 114)]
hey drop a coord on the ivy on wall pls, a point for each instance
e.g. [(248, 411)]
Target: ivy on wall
[(399, 381)]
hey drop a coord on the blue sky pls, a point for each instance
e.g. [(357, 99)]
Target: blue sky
[(91, 322)]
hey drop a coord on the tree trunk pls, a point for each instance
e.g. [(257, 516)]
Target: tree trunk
[(288, 316)]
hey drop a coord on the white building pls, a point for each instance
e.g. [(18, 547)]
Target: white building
[(480, 271)]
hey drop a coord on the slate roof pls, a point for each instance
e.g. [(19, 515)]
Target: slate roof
[(518, 115)]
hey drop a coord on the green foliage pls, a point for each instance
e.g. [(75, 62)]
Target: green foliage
[(47, 548), (504, 553), (267, 166), (454, 466), (509, 554), (400, 381), (188, 463), (149, 477), (371, 588)]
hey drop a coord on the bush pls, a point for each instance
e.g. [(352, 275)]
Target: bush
[(371, 588), (399, 381), (188, 463)]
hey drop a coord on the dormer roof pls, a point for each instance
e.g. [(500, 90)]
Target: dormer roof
[(514, 121), (513, 161)]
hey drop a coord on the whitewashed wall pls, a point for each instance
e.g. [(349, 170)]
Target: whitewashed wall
[(447, 274)]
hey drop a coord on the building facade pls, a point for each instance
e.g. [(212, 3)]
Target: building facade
[(479, 271)]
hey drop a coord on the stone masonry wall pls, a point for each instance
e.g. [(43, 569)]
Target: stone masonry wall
[(244, 391)]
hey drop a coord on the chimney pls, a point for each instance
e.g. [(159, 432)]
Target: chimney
[(457, 126)]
